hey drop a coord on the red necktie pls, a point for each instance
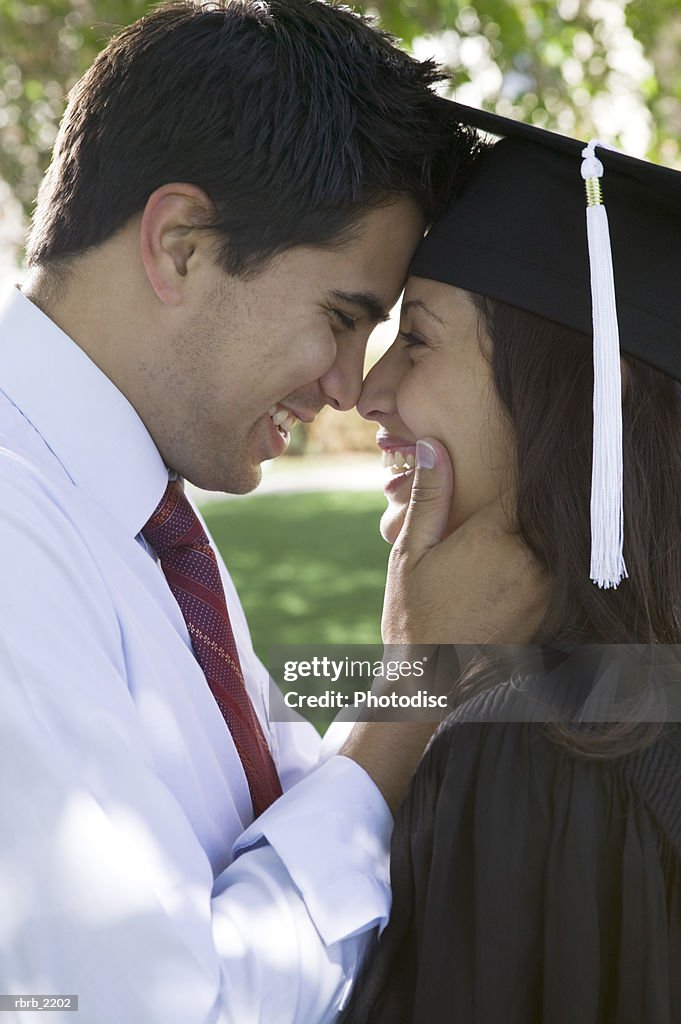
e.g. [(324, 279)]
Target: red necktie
[(191, 568)]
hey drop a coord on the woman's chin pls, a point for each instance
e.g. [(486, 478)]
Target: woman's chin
[(392, 521)]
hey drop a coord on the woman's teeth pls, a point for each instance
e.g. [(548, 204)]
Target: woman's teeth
[(397, 462), (282, 418)]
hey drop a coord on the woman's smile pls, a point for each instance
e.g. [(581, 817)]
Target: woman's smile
[(435, 381)]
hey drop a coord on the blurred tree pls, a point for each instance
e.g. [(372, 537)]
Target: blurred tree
[(610, 68), (44, 48), (606, 67)]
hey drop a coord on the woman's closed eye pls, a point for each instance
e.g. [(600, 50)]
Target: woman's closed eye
[(411, 339)]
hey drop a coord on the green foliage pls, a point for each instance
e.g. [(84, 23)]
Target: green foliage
[(44, 48), (577, 67), (582, 67)]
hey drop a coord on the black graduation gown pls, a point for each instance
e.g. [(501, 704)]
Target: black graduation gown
[(531, 885)]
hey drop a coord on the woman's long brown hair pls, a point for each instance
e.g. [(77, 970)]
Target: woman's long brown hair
[(543, 376)]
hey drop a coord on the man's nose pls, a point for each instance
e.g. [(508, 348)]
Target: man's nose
[(342, 383)]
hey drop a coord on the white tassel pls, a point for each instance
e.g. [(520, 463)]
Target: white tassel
[(607, 512)]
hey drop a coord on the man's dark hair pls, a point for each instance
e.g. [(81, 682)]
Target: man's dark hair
[(294, 116)]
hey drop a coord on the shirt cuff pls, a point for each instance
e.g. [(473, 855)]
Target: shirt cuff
[(332, 833)]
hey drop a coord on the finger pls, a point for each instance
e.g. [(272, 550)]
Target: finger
[(431, 497)]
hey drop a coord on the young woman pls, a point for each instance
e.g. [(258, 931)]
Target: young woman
[(536, 862)]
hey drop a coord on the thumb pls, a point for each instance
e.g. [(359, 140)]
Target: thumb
[(430, 502)]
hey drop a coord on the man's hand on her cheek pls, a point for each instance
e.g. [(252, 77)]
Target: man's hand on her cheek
[(479, 586)]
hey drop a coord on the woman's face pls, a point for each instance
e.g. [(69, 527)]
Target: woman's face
[(435, 381)]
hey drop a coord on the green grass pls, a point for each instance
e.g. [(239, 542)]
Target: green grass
[(309, 568)]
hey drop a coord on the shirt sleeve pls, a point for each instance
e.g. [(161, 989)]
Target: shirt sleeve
[(105, 890), (312, 880)]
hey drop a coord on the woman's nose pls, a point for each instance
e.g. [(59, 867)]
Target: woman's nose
[(377, 399)]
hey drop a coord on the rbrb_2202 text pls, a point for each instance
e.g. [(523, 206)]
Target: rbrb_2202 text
[(32, 1001)]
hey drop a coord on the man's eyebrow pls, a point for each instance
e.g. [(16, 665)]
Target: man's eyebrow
[(418, 304), (372, 306)]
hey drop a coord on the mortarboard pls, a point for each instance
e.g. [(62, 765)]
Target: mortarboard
[(517, 232)]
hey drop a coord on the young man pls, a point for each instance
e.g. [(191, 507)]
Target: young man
[(235, 195)]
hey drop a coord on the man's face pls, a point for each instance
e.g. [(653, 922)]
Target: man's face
[(275, 347)]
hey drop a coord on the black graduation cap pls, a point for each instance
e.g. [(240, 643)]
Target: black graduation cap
[(518, 232)]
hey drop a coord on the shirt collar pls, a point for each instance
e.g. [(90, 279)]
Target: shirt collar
[(89, 425)]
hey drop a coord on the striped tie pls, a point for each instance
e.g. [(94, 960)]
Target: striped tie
[(191, 568)]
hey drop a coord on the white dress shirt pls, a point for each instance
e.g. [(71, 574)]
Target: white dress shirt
[(130, 872)]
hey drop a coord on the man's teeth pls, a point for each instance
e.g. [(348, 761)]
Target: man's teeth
[(282, 418), (398, 462)]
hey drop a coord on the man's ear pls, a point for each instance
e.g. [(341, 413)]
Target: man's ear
[(170, 236)]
